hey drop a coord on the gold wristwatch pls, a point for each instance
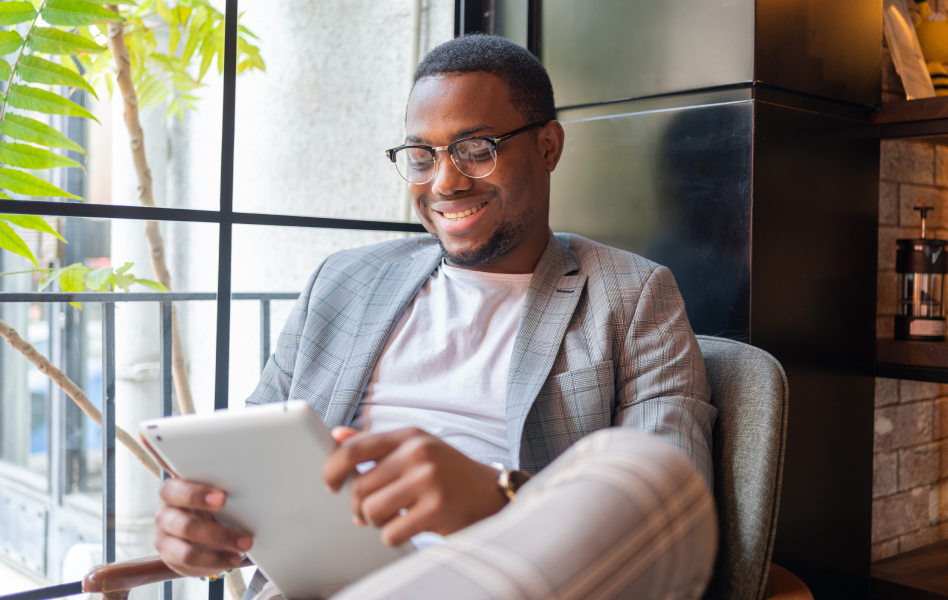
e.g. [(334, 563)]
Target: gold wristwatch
[(510, 480)]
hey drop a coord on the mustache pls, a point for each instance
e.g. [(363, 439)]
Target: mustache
[(426, 200)]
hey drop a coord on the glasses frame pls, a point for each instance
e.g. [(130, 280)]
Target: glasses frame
[(493, 140)]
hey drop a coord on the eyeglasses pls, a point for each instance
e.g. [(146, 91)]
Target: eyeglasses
[(474, 157)]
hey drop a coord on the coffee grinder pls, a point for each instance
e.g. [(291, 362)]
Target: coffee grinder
[(921, 265)]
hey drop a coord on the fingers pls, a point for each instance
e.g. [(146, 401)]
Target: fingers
[(385, 503), (191, 560), (403, 527), (341, 434), (360, 448), (203, 532), (185, 494), (188, 538), (384, 473)]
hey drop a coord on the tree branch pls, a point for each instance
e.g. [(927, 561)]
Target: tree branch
[(156, 245), (73, 391)]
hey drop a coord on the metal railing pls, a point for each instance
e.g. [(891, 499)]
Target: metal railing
[(108, 301)]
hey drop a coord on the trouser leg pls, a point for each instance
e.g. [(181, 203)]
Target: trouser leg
[(619, 515)]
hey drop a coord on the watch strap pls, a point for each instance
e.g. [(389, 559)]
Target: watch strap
[(510, 481)]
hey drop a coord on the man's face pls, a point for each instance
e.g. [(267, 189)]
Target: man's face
[(497, 223)]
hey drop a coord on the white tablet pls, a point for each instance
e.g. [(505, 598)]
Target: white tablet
[(269, 460)]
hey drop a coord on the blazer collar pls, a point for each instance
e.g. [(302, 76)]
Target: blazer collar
[(552, 297), (551, 300), (389, 295)]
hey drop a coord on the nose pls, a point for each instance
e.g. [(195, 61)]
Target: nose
[(448, 180)]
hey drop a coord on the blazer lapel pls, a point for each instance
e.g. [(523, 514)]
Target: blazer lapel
[(389, 294), (551, 300)]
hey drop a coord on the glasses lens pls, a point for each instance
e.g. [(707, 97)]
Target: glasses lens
[(475, 158), (415, 165)]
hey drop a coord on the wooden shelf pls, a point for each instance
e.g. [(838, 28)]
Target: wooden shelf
[(901, 111), (925, 118), (917, 575), (918, 361), (916, 354)]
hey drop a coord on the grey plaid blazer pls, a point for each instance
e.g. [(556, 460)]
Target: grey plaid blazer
[(603, 341)]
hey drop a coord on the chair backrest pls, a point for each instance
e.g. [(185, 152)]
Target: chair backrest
[(749, 389)]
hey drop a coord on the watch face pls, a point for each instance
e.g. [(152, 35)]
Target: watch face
[(517, 479)]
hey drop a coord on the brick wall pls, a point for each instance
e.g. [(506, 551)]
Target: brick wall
[(910, 454)]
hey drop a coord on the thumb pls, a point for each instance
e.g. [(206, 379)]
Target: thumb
[(341, 434)]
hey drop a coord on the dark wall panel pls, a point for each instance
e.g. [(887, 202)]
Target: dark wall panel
[(598, 50), (813, 288), (828, 49), (671, 184)]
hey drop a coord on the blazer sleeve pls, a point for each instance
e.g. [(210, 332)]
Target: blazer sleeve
[(661, 386), (277, 376)]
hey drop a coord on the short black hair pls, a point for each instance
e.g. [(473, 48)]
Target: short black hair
[(528, 83)]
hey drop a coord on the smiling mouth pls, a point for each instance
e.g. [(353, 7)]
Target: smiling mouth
[(467, 213)]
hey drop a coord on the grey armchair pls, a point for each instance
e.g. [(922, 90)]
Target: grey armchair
[(749, 389)]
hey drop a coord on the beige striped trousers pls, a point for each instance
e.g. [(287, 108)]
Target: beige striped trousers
[(621, 514)]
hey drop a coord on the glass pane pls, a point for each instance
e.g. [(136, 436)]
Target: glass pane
[(46, 441), (275, 259), (165, 153), (312, 131), (24, 412)]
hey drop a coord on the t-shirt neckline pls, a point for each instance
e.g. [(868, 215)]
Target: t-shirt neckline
[(471, 275)]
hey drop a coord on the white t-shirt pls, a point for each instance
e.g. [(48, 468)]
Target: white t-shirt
[(444, 367)]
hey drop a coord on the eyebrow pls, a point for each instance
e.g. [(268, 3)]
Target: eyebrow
[(457, 134)]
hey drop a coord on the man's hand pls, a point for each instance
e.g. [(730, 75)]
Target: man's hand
[(439, 488), (187, 537)]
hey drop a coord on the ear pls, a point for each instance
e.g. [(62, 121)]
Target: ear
[(551, 138)]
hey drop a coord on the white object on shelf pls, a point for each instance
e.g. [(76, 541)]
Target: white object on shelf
[(906, 51)]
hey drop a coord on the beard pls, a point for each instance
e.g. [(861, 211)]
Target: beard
[(502, 240), (505, 237)]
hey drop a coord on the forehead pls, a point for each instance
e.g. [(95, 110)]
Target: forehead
[(442, 105)]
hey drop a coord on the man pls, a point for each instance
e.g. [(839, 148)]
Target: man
[(493, 341)]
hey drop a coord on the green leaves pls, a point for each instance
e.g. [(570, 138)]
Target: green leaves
[(79, 278), (24, 183), (32, 222), (31, 157), (47, 40), (30, 98), (31, 130), (12, 13), (10, 41), (9, 240), (31, 68), (40, 70), (172, 71), (74, 13)]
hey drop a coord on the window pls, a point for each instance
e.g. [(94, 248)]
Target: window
[(300, 149)]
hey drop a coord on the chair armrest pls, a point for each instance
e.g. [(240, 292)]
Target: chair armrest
[(115, 580), (784, 585)]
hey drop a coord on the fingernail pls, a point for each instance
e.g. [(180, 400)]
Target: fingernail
[(244, 542), (359, 522), (214, 499), (330, 490), (234, 562)]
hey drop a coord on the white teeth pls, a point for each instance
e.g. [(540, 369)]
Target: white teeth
[(467, 213)]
